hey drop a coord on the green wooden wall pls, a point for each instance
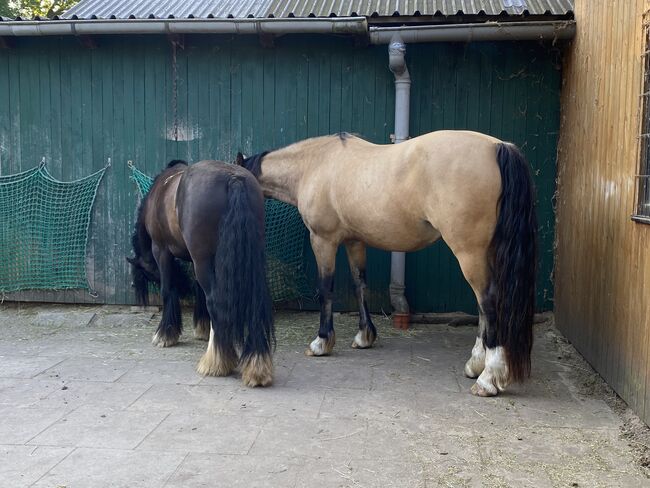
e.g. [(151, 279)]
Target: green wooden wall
[(128, 100)]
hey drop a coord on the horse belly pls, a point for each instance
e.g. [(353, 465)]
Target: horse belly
[(395, 233)]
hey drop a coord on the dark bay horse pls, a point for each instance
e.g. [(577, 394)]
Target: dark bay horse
[(470, 189), (212, 214)]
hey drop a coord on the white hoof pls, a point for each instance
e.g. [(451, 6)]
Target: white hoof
[(320, 346), (476, 364), (495, 378), (363, 340), (160, 341)]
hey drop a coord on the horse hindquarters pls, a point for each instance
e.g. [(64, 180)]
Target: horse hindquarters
[(241, 295)]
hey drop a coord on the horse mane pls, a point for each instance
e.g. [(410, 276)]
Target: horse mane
[(174, 162), (254, 163)]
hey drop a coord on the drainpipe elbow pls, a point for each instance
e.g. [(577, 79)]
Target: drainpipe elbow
[(396, 60)]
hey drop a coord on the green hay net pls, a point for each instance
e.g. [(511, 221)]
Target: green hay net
[(44, 230), (285, 235)]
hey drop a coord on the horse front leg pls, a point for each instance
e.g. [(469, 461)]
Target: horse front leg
[(325, 252), (170, 327), (357, 258)]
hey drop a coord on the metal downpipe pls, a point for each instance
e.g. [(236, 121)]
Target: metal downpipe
[(397, 65)]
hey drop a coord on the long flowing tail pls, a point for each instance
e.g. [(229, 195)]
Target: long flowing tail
[(243, 300), (141, 243), (510, 299)]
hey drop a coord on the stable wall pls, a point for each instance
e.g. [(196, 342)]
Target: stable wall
[(603, 259), (128, 100)]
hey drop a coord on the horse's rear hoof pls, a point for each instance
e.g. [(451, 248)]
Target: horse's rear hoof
[(474, 367), (217, 362), (481, 391), (163, 341), (257, 370)]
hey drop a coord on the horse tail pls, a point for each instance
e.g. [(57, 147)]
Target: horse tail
[(139, 242), (244, 308), (140, 283), (509, 303)]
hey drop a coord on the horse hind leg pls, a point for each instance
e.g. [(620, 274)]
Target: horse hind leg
[(257, 369), (487, 364), (201, 314), (495, 376), (476, 363), (357, 259), (218, 359)]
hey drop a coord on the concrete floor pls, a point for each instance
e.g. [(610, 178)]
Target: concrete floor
[(86, 401)]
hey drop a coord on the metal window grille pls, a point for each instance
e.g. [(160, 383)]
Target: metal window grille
[(643, 178)]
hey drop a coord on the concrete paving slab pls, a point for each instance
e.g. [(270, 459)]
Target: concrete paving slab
[(209, 400), (206, 433), (88, 369), (219, 471), (361, 473), (158, 371), (274, 402), (21, 466), (100, 427), (25, 366), (327, 372), (112, 468), (73, 394), (296, 438), (371, 405), (19, 393), (19, 425)]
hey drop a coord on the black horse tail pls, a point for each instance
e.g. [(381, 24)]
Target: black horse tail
[(243, 306), (140, 281), (140, 242), (509, 303)]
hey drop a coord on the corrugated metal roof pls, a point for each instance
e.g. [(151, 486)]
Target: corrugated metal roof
[(161, 9)]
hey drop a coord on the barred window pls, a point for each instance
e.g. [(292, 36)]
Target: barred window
[(642, 213)]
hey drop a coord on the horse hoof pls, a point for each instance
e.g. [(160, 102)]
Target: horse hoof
[(217, 361), (473, 368), (482, 391), (363, 340), (160, 341), (321, 346), (257, 370)]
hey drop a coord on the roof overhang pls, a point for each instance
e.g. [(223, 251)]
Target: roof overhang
[(543, 30), (337, 25)]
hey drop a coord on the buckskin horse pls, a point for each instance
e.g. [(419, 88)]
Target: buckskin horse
[(212, 214), (470, 189)]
